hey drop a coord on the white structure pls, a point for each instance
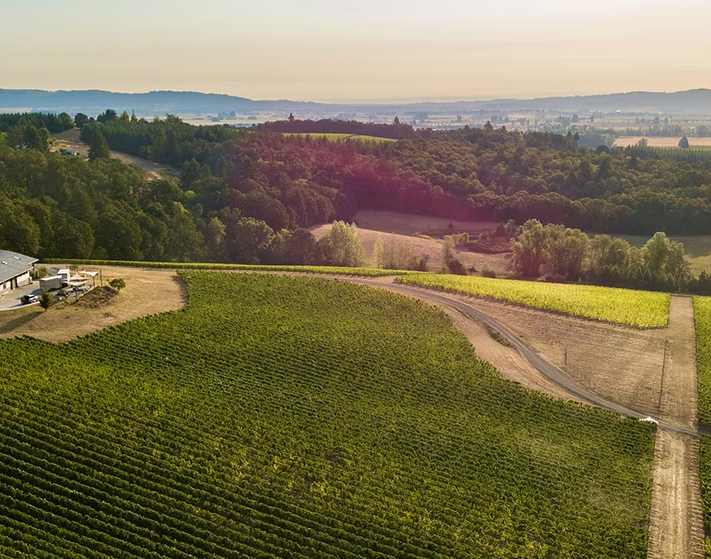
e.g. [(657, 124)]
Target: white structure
[(15, 269), (50, 283)]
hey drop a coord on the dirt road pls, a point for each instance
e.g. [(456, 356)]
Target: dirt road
[(676, 529), (676, 524), (71, 141)]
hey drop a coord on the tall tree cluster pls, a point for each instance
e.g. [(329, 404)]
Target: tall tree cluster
[(563, 254)]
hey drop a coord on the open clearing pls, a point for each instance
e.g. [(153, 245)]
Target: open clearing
[(146, 292), (410, 224), (500, 263), (662, 141), (70, 141), (341, 137)]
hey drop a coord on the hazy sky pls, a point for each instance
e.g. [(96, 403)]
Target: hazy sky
[(348, 50)]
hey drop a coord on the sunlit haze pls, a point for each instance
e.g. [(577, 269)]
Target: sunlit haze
[(369, 50)]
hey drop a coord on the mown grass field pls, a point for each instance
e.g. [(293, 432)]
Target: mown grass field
[(296, 417), (640, 309), (341, 137)]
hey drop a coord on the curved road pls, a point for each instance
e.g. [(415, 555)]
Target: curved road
[(547, 369)]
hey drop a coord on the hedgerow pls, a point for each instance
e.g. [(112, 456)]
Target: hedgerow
[(331, 270)]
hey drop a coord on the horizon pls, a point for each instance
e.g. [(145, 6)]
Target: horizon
[(412, 101), (371, 53)]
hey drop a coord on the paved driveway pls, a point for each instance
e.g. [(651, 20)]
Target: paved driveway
[(11, 299)]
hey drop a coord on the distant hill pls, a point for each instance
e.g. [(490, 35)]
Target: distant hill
[(154, 102), (696, 101)]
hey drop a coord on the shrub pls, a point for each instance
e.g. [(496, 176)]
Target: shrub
[(488, 272), (118, 284), (45, 299)]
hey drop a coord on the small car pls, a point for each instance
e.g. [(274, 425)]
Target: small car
[(27, 299), (650, 420)]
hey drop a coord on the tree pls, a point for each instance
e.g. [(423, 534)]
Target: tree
[(215, 239), (378, 252), (80, 120), (109, 116), (247, 240), (655, 252), (396, 121), (529, 250), (684, 142), (98, 148), (45, 299), (117, 283), (300, 247), (342, 245)]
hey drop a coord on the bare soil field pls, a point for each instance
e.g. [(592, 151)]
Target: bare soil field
[(431, 248), (146, 292), (409, 224), (661, 141), (623, 364), (70, 141)]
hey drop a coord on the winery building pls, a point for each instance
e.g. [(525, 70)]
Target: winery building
[(15, 269)]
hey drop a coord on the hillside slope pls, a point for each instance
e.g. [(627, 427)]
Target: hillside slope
[(294, 417)]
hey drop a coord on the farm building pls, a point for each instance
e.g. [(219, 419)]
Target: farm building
[(15, 270)]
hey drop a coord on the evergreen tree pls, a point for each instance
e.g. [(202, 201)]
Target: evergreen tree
[(98, 148), (684, 142)]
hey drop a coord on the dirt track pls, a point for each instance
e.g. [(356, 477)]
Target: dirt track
[(71, 141), (676, 526)]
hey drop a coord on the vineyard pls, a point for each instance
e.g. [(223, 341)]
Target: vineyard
[(640, 309), (290, 417), (331, 270), (702, 319), (332, 137)]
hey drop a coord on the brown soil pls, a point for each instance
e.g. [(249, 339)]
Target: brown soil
[(409, 224), (676, 522), (500, 263), (98, 297), (146, 292)]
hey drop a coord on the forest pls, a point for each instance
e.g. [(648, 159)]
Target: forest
[(261, 184)]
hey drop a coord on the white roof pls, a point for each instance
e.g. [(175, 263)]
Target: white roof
[(50, 278), (13, 264), (92, 274)]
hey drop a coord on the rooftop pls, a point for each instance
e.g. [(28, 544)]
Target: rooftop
[(13, 264)]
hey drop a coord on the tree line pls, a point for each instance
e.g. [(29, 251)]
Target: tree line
[(563, 254), (102, 208)]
